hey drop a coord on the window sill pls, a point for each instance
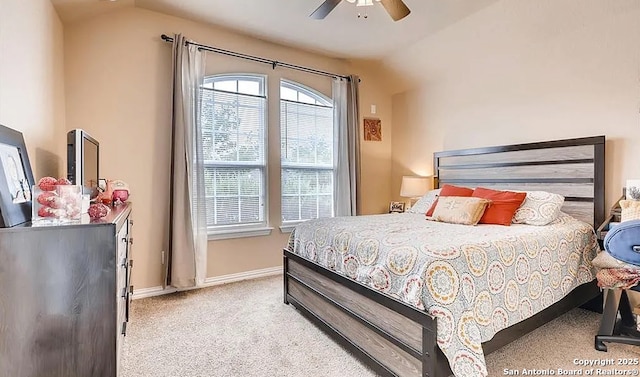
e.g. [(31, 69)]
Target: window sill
[(238, 233), (288, 228)]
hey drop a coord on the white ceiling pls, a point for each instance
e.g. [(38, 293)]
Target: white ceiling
[(342, 34)]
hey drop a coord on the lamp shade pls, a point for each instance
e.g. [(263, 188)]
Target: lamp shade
[(413, 187)]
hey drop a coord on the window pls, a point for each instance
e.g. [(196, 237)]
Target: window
[(307, 139), (233, 119)]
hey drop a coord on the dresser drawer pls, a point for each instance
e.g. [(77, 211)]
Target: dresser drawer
[(123, 242), (129, 298), (121, 275)]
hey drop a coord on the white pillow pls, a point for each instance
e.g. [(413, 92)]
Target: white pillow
[(424, 203), (539, 208)]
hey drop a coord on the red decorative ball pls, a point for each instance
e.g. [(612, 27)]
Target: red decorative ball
[(46, 212), (63, 181), (46, 197), (47, 183), (98, 210)]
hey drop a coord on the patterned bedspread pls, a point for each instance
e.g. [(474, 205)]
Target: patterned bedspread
[(477, 280)]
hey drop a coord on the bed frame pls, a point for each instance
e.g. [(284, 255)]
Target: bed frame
[(395, 339)]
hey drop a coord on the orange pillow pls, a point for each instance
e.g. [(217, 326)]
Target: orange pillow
[(504, 205), (450, 190)]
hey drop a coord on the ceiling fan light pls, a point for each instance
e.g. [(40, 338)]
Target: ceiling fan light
[(362, 3), (397, 9)]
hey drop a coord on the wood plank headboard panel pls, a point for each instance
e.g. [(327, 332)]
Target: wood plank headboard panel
[(573, 168)]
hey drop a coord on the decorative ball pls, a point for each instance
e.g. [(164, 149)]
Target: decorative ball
[(47, 183), (98, 210), (120, 195), (46, 197), (63, 181), (46, 212)]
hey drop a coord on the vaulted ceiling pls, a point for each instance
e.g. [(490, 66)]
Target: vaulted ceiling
[(341, 34)]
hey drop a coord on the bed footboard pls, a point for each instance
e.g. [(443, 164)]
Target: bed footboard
[(392, 338)]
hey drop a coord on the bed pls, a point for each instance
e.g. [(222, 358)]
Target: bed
[(386, 317)]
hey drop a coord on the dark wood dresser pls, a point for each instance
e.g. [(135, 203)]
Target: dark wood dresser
[(65, 292)]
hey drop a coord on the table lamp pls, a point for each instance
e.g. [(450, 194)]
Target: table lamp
[(414, 187)]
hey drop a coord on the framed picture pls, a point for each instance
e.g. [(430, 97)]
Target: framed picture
[(395, 207), (372, 129), (16, 179), (633, 189)]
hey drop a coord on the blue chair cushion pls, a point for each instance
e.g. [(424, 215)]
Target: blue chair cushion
[(623, 242)]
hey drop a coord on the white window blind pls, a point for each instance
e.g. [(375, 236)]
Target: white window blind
[(233, 131), (307, 139)]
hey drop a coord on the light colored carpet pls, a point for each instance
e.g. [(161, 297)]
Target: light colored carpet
[(245, 330)]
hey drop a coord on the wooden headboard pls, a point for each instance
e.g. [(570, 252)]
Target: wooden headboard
[(573, 168)]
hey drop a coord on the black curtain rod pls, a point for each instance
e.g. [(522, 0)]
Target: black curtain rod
[(272, 63)]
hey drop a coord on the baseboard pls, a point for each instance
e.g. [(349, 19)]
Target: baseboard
[(209, 282), (255, 274), (151, 292)]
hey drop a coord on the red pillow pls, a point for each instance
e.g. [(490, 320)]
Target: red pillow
[(504, 205), (449, 190)]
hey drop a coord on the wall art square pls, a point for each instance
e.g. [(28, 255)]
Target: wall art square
[(633, 189), (372, 129)]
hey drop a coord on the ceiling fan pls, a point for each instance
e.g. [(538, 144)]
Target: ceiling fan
[(397, 9)]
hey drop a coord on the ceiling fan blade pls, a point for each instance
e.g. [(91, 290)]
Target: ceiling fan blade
[(324, 9), (397, 9)]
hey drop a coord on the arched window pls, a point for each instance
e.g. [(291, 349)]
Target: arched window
[(233, 117), (307, 153)]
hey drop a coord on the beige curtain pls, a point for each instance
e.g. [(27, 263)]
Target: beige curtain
[(187, 260), (347, 160)]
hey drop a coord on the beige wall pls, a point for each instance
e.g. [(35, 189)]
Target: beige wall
[(375, 155), (523, 71), (413, 140), (118, 87), (31, 81)]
